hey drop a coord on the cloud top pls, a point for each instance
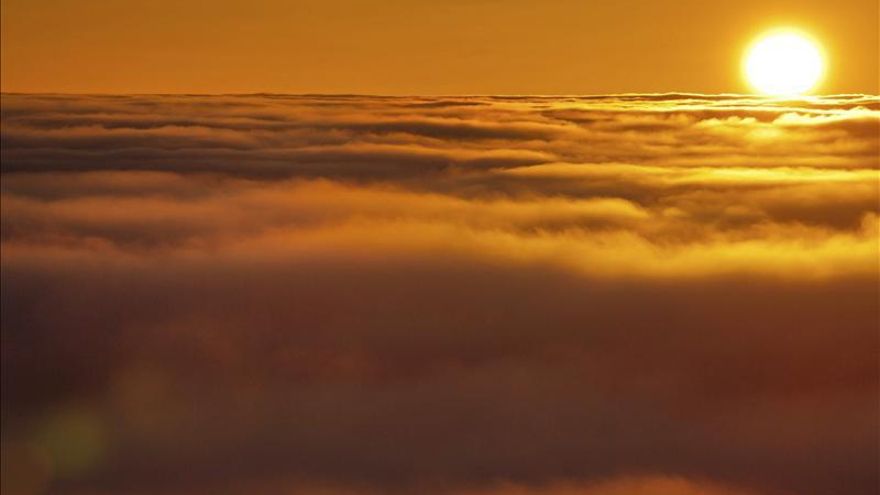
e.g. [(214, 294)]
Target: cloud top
[(650, 294)]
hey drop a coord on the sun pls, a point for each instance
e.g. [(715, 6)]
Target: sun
[(784, 62)]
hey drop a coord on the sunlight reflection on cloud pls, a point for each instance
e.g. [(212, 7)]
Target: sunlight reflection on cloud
[(482, 295)]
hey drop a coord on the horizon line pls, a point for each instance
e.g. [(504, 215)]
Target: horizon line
[(448, 95)]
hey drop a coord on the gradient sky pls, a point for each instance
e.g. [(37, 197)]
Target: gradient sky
[(417, 46)]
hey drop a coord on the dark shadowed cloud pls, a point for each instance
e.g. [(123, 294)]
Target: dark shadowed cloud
[(656, 294)]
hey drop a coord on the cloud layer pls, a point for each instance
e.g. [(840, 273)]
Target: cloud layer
[(658, 294)]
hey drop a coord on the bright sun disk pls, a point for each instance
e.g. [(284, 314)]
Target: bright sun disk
[(784, 62)]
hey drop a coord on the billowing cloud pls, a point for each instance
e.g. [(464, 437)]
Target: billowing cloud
[(658, 294)]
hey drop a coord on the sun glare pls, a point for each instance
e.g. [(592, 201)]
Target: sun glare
[(784, 62)]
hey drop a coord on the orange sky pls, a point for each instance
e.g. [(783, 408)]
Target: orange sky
[(417, 46)]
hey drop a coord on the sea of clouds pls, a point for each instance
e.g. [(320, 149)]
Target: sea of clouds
[(608, 295)]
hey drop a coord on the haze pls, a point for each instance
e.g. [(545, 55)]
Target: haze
[(416, 46)]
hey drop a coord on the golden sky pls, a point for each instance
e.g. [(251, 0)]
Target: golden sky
[(650, 288), (417, 46)]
